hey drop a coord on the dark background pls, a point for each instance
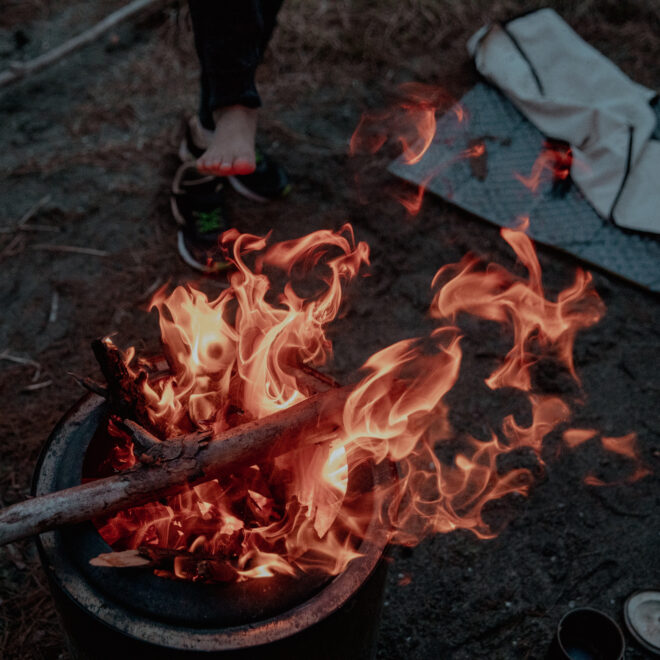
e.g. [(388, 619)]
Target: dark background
[(98, 134)]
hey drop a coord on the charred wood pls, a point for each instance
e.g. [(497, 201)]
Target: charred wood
[(190, 460)]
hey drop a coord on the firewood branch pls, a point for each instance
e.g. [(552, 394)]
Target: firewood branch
[(18, 70), (195, 460), (124, 390)]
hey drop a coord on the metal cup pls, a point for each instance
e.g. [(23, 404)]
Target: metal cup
[(587, 634)]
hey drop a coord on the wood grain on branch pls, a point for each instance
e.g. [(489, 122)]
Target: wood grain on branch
[(189, 460)]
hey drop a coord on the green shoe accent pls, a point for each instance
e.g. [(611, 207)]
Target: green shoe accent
[(208, 221)]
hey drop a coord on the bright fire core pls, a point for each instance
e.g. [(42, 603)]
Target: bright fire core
[(238, 358)]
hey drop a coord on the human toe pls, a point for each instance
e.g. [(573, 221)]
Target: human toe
[(244, 164)]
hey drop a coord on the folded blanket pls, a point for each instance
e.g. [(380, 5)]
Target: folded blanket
[(571, 92)]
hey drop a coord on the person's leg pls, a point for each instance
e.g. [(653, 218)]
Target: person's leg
[(269, 10), (230, 38)]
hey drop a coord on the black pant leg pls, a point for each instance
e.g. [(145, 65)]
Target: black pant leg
[(230, 38), (269, 9)]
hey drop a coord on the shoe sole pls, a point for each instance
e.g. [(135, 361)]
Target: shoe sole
[(175, 212), (246, 192), (189, 260), (184, 153)]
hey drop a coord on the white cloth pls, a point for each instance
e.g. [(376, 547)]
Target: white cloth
[(571, 92)]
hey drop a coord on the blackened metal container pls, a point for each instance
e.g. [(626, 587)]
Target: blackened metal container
[(130, 613)]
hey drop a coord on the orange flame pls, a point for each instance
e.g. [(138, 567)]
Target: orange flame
[(412, 202), (575, 437), (233, 359), (625, 445), (497, 295), (412, 124)]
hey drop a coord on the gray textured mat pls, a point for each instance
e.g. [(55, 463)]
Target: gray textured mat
[(490, 190)]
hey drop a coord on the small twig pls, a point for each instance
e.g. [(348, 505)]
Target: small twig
[(75, 249), (54, 306), (5, 355), (18, 360), (32, 211), (37, 386), (90, 385), (16, 557), (18, 70), (156, 283), (28, 228), (321, 382), (9, 250), (140, 436)]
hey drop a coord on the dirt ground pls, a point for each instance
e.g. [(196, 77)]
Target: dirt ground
[(94, 139)]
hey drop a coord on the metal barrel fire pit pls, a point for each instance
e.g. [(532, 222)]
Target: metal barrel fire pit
[(132, 613)]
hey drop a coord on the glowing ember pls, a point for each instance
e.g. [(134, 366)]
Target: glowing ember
[(236, 358)]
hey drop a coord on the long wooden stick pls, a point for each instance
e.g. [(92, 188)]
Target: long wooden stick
[(196, 459), (18, 70)]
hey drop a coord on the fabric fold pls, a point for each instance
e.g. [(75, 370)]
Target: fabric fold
[(571, 92)]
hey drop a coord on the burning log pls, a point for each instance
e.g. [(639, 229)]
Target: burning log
[(124, 390), (188, 460)]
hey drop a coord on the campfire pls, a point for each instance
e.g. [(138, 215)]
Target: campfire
[(230, 458), (247, 355)]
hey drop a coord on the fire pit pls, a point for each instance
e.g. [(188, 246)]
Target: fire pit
[(106, 612)]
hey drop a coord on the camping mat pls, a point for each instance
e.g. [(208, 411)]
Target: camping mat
[(559, 216)]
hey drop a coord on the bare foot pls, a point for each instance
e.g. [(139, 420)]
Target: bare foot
[(230, 147)]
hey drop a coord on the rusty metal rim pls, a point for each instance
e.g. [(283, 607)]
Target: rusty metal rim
[(88, 411)]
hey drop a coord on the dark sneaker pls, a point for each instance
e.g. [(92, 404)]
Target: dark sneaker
[(268, 182), (197, 203)]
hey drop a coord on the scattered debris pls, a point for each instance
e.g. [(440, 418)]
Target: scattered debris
[(54, 307), (37, 386), (74, 249), (32, 211), (18, 70), (5, 355)]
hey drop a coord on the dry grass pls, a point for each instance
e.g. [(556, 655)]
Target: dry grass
[(327, 41)]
